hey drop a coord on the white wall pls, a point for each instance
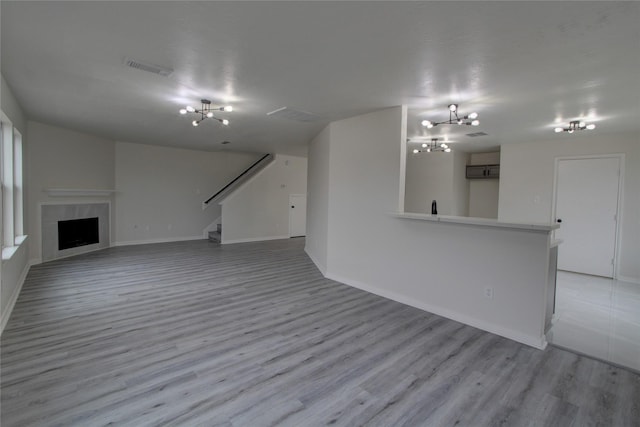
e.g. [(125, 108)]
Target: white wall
[(484, 193), (61, 158), (318, 199), (526, 184), (483, 198), (259, 208), (160, 190), (419, 262), (11, 108), (14, 270), (436, 176)]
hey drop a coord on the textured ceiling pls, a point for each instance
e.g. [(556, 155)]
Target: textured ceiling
[(521, 65)]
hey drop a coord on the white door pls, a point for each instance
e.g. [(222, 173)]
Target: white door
[(297, 215), (587, 209)]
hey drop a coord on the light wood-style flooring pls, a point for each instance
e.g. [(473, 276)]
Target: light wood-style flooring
[(193, 334), (598, 317)]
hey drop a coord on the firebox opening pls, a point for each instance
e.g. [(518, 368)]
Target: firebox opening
[(77, 232)]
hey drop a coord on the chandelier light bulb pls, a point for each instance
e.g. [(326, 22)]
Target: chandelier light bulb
[(570, 131), (225, 122), (424, 145), (443, 145), (427, 124), (209, 114), (557, 130), (453, 107), (473, 116), (183, 111), (194, 123), (582, 124), (591, 126), (447, 150), (416, 151), (460, 121), (190, 109), (428, 150), (228, 108), (475, 123)]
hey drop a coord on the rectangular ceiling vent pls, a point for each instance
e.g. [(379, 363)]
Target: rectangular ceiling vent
[(149, 68), (473, 135), (291, 114)]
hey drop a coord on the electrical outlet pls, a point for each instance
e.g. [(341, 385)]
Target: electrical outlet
[(488, 292)]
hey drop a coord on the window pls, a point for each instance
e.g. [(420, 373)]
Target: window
[(11, 174)]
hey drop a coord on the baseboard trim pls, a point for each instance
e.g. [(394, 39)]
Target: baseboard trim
[(254, 239), (629, 279), (161, 240), (532, 341), (6, 314), (319, 265)]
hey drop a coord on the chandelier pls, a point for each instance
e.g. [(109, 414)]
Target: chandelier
[(206, 112), (433, 146), (575, 125), (454, 119)]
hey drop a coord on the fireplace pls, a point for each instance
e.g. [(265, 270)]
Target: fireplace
[(72, 229), (73, 233)]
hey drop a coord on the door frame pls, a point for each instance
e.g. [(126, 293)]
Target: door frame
[(294, 195), (621, 160)]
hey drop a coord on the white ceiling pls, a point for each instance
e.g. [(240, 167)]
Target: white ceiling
[(521, 65)]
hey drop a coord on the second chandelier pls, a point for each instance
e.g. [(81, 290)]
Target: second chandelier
[(454, 119)]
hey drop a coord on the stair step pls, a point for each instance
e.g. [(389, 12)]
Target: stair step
[(215, 236)]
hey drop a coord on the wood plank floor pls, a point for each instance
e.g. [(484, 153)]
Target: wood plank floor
[(190, 334)]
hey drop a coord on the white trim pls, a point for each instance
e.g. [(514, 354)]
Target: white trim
[(254, 239), (72, 192), (6, 313), (483, 222), (620, 207), (161, 240), (320, 266), (533, 341), (8, 252), (629, 279)]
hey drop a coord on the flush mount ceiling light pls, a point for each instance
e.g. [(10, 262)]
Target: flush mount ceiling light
[(206, 112), (454, 119), (575, 125), (433, 146)]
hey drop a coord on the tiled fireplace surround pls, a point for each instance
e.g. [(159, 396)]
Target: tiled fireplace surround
[(52, 213)]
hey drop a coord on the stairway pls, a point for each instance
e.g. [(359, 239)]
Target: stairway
[(216, 236)]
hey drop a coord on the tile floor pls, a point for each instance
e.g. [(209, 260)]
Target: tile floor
[(598, 317)]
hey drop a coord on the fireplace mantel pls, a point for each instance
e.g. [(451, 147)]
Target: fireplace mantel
[(76, 192)]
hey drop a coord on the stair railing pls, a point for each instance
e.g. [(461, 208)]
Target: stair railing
[(246, 171)]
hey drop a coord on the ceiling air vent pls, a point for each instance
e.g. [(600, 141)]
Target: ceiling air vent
[(291, 114), (473, 135), (149, 68)]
